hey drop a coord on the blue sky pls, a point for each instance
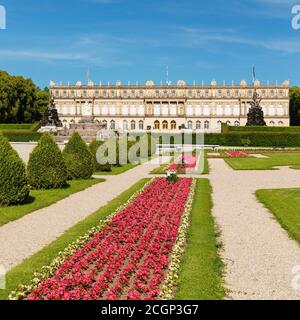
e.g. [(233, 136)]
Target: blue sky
[(134, 40)]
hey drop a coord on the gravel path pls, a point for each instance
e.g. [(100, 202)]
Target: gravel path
[(258, 253), (22, 238)]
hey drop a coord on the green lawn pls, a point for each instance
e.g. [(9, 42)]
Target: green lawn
[(201, 272), (284, 204), (15, 126), (274, 160), (43, 198), (117, 170), (24, 272)]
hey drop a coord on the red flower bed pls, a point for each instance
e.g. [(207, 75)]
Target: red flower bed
[(189, 160), (237, 154), (128, 258)]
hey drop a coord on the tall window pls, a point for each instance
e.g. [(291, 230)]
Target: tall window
[(198, 125), (125, 125), (190, 125), (156, 125), (104, 122), (165, 125), (141, 125), (173, 125), (206, 125), (132, 125), (112, 125)]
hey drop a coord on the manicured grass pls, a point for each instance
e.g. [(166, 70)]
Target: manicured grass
[(201, 272), (15, 126), (275, 160), (24, 272), (117, 170), (43, 198), (284, 204)]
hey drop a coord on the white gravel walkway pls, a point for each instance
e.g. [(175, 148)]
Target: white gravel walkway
[(22, 238), (258, 253)]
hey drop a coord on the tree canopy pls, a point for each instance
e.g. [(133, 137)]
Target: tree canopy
[(295, 106), (21, 101)]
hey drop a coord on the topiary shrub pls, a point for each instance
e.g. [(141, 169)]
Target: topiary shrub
[(46, 167), (78, 158), (14, 187), (94, 146)]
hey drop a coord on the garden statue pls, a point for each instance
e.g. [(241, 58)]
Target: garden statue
[(255, 115), (51, 117)]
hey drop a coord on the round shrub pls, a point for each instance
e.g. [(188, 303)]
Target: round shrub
[(14, 187), (78, 158), (94, 146), (46, 167)]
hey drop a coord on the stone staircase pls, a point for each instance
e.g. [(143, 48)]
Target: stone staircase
[(87, 130)]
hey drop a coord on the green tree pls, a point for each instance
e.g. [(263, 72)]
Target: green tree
[(295, 106), (78, 158), (46, 167), (20, 100), (14, 187)]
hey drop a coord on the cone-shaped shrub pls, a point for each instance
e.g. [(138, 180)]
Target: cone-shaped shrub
[(14, 187), (94, 146), (46, 167), (78, 158)]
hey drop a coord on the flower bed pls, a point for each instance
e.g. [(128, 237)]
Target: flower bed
[(237, 154), (188, 160), (131, 257)]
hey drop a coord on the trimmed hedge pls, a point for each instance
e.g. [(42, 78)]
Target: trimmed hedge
[(252, 129), (258, 139), (78, 158), (94, 146), (46, 167), (14, 187), (21, 132)]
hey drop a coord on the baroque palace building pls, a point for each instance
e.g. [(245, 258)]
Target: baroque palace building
[(169, 107)]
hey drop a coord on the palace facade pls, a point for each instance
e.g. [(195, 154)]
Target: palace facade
[(169, 107)]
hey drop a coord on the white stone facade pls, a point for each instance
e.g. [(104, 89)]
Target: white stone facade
[(170, 107)]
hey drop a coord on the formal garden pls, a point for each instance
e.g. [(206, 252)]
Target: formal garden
[(153, 238)]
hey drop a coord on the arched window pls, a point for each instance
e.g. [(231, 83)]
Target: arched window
[(206, 124), (190, 125), (272, 123), (228, 123), (173, 125), (280, 123), (104, 122), (219, 123), (132, 125), (237, 123), (113, 125), (156, 125), (198, 125), (141, 125), (165, 125), (125, 125)]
